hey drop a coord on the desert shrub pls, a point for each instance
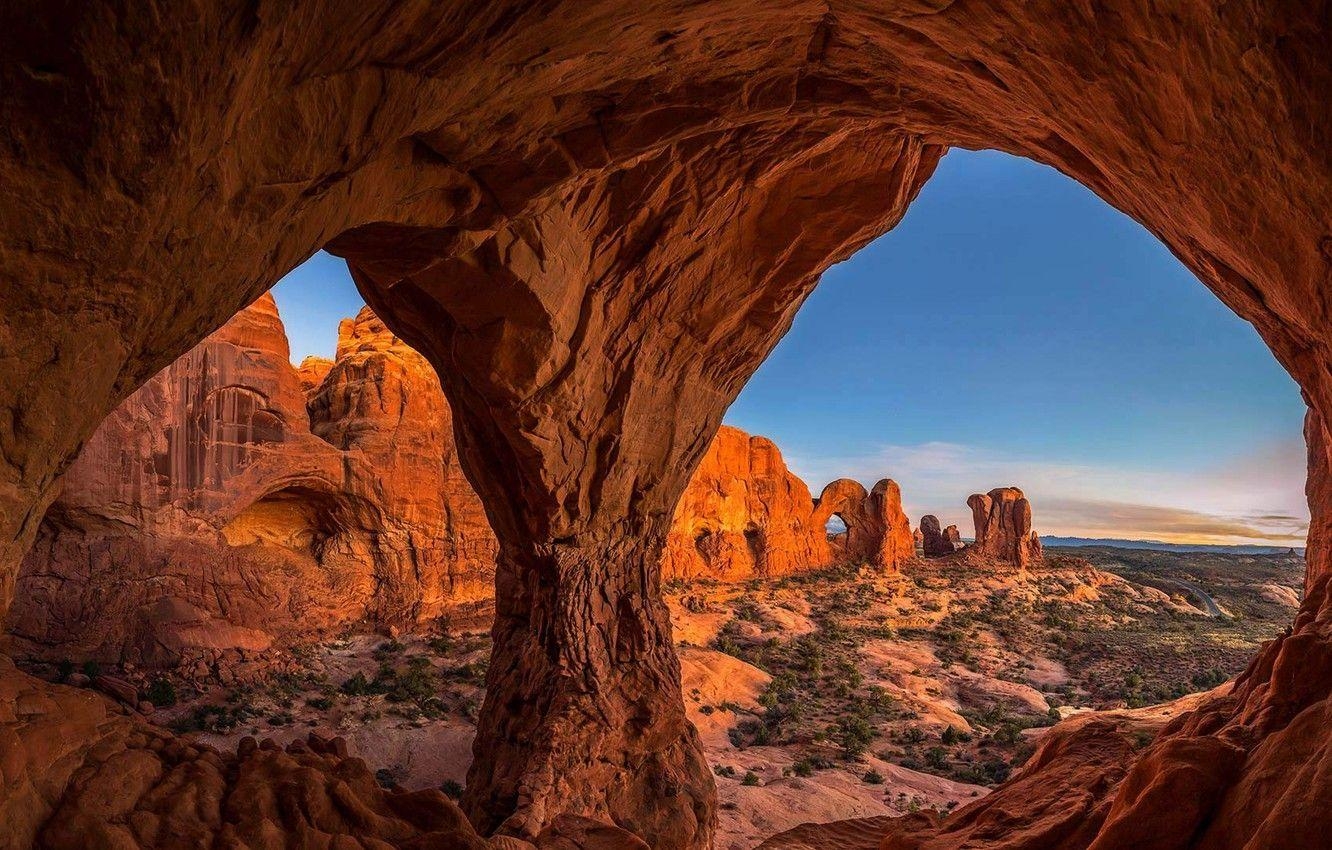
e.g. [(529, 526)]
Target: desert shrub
[(936, 757), (358, 685), (803, 767), (911, 735), (213, 718), (320, 703), (1209, 679), (949, 736), (751, 779), (873, 777), (452, 788), (724, 770), (160, 692), (1007, 733), (92, 669)]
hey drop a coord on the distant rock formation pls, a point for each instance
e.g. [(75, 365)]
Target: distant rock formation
[(878, 531), (1003, 526), (236, 503), (932, 541), (952, 539), (206, 517), (744, 514)]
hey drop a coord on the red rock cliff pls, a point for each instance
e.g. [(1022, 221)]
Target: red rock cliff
[(205, 516)]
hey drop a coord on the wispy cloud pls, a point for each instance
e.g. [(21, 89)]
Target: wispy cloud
[(1254, 498)]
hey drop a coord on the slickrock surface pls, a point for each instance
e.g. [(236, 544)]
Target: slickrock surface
[(1003, 526), (596, 221)]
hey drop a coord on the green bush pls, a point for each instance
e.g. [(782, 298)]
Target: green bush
[(357, 686), (751, 779), (936, 757), (160, 692), (873, 777), (853, 734)]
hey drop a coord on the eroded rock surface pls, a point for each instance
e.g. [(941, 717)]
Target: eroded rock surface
[(936, 541), (744, 514), (596, 221), (205, 521), (1003, 526), (877, 529)]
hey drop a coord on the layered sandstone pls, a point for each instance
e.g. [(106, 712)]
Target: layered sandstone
[(1003, 526), (332, 494), (206, 521)]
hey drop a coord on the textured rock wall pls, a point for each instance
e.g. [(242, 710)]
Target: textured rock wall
[(205, 520), (596, 220), (210, 546)]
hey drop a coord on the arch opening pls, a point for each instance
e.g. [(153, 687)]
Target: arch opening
[(1110, 99)]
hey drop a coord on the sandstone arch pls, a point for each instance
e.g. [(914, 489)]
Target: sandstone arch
[(597, 221)]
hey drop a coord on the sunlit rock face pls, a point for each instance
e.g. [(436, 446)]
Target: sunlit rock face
[(1003, 526), (744, 515), (205, 520), (257, 524)]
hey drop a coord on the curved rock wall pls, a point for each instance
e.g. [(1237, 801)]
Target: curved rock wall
[(236, 502), (744, 514)]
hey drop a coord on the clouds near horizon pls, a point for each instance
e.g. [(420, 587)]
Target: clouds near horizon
[(1256, 498)]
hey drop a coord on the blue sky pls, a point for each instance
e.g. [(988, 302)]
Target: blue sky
[(1013, 330)]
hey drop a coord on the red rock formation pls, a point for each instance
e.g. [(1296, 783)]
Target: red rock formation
[(312, 372), (204, 521), (80, 775), (744, 514), (933, 541), (596, 221), (952, 539), (1003, 526), (877, 530), (381, 401)]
